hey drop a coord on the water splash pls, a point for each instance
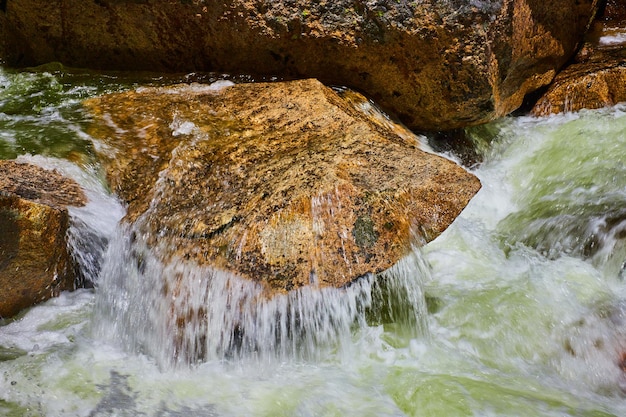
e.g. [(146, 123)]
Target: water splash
[(91, 226), (182, 313), (569, 188), (509, 331)]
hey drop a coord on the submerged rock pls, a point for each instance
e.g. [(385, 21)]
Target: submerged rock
[(34, 260), (436, 64), (285, 184)]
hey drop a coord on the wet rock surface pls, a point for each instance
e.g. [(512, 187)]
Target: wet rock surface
[(597, 76), (285, 184), (598, 82), (36, 184), (34, 260), (435, 64)]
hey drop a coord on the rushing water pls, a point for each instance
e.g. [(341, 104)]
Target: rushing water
[(518, 309)]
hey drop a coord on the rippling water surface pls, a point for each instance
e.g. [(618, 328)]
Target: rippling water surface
[(518, 309)]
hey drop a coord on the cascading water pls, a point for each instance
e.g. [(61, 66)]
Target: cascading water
[(517, 309), (181, 313)]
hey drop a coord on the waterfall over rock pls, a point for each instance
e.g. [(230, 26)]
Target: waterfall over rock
[(285, 185)]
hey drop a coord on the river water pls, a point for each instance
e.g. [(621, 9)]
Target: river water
[(518, 309)]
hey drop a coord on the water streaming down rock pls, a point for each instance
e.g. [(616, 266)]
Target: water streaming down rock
[(92, 225), (181, 313), (281, 183), (509, 331), (38, 237)]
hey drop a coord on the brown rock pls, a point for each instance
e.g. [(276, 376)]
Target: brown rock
[(597, 77), (595, 83), (34, 260), (437, 64), (39, 185), (285, 184)]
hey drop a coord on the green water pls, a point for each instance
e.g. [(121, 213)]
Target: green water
[(522, 300)]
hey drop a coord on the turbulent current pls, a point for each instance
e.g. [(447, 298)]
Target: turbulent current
[(518, 309)]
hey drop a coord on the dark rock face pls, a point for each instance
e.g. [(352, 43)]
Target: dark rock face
[(614, 11), (436, 64), (34, 260), (285, 184)]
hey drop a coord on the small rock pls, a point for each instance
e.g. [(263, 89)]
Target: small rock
[(34, 260)]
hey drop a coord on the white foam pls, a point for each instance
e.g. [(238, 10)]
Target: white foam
[(35, 332), (195, 88), (141, 300), (613, 39), (182, 127)]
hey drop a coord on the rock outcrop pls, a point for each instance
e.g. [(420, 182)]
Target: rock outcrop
[(34, 260), (597, 77), (285, 184), (436, 64)]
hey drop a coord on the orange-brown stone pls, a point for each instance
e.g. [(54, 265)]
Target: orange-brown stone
[(595, 83), (285, 184), (34, 260), (597, 76)]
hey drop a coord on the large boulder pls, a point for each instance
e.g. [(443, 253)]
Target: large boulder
[(436, 64), (597, 76), (35, 263), (286, 184)]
